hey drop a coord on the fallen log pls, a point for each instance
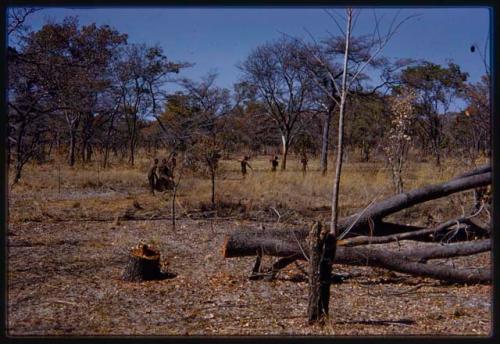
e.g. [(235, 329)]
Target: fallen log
[(373, 215), (465, 231), (406, 261), (405, 200)]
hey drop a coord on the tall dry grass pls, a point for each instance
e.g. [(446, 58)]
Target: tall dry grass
[(89, 189)]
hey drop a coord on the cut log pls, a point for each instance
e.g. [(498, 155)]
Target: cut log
[(407, 261), (293, 244), (143, 264), (465, 231)]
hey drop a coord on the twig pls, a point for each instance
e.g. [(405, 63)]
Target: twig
[(341, 236)]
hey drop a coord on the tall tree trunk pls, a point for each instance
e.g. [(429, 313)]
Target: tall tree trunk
[(131, 151), (106, 157), (19, 153), (88, 153), (19, 168), (284, 153), (325, 140), (72, 147), (340, 144), (326, 248), (213, 189)]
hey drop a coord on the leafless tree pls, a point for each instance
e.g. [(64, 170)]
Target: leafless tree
[(16, 20), (351, 75), (281, 81), (210, 105)]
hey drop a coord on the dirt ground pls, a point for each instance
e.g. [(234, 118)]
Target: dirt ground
[(64, 279), (68, 245)]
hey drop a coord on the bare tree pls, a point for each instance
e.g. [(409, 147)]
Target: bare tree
[(142, 72), (325, 241), (281, 81), (16, 22), (210, 105)]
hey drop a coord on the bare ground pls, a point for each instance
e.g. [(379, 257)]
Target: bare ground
[(64, 279)]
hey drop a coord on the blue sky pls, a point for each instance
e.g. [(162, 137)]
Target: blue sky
[(216, 39)]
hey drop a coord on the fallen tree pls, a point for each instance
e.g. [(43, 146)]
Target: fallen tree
[(370, 220), (292, 244), (411, 261)]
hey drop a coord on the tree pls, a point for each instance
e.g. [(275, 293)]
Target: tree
[(28, 112), (142, 71), (73, 66), (281, 82), (324, 242), (324, 63), (210, 105), (436, 87), (368, 124), (16, 23), (399, 137)]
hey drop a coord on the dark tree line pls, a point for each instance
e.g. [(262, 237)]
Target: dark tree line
[(84, 91)]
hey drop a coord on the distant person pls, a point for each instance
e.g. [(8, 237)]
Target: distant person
[(173, 161), (244, 163), (274, 163), (163, 169), (165, 176), (303, 161), (152, 176)]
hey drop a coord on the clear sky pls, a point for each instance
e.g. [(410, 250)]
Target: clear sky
[(216, 39)]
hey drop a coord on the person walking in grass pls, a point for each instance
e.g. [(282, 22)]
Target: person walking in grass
[(244, 163), (304, 161), (274, 163), (152, 176)]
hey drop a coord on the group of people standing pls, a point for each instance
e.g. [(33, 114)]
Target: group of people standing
[(161, 176)]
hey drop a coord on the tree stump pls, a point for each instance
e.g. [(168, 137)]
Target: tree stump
[(143, 264), (322, 247)]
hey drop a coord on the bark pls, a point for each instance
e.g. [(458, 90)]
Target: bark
[(143, 264), (213, 188), (284, 153), (131, 158), (325, 140), (376, 212), (321, 254), (407, 261), (72, 147), (405, 200), (19, 168)]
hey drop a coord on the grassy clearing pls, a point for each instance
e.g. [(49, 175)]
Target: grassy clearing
[(55, 191)]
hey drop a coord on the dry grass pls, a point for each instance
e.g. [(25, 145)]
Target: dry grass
[(50, 191)]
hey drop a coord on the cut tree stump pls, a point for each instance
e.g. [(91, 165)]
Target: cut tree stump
[(143, 265)]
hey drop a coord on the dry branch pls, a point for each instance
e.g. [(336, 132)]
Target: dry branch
[(427, 234)]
